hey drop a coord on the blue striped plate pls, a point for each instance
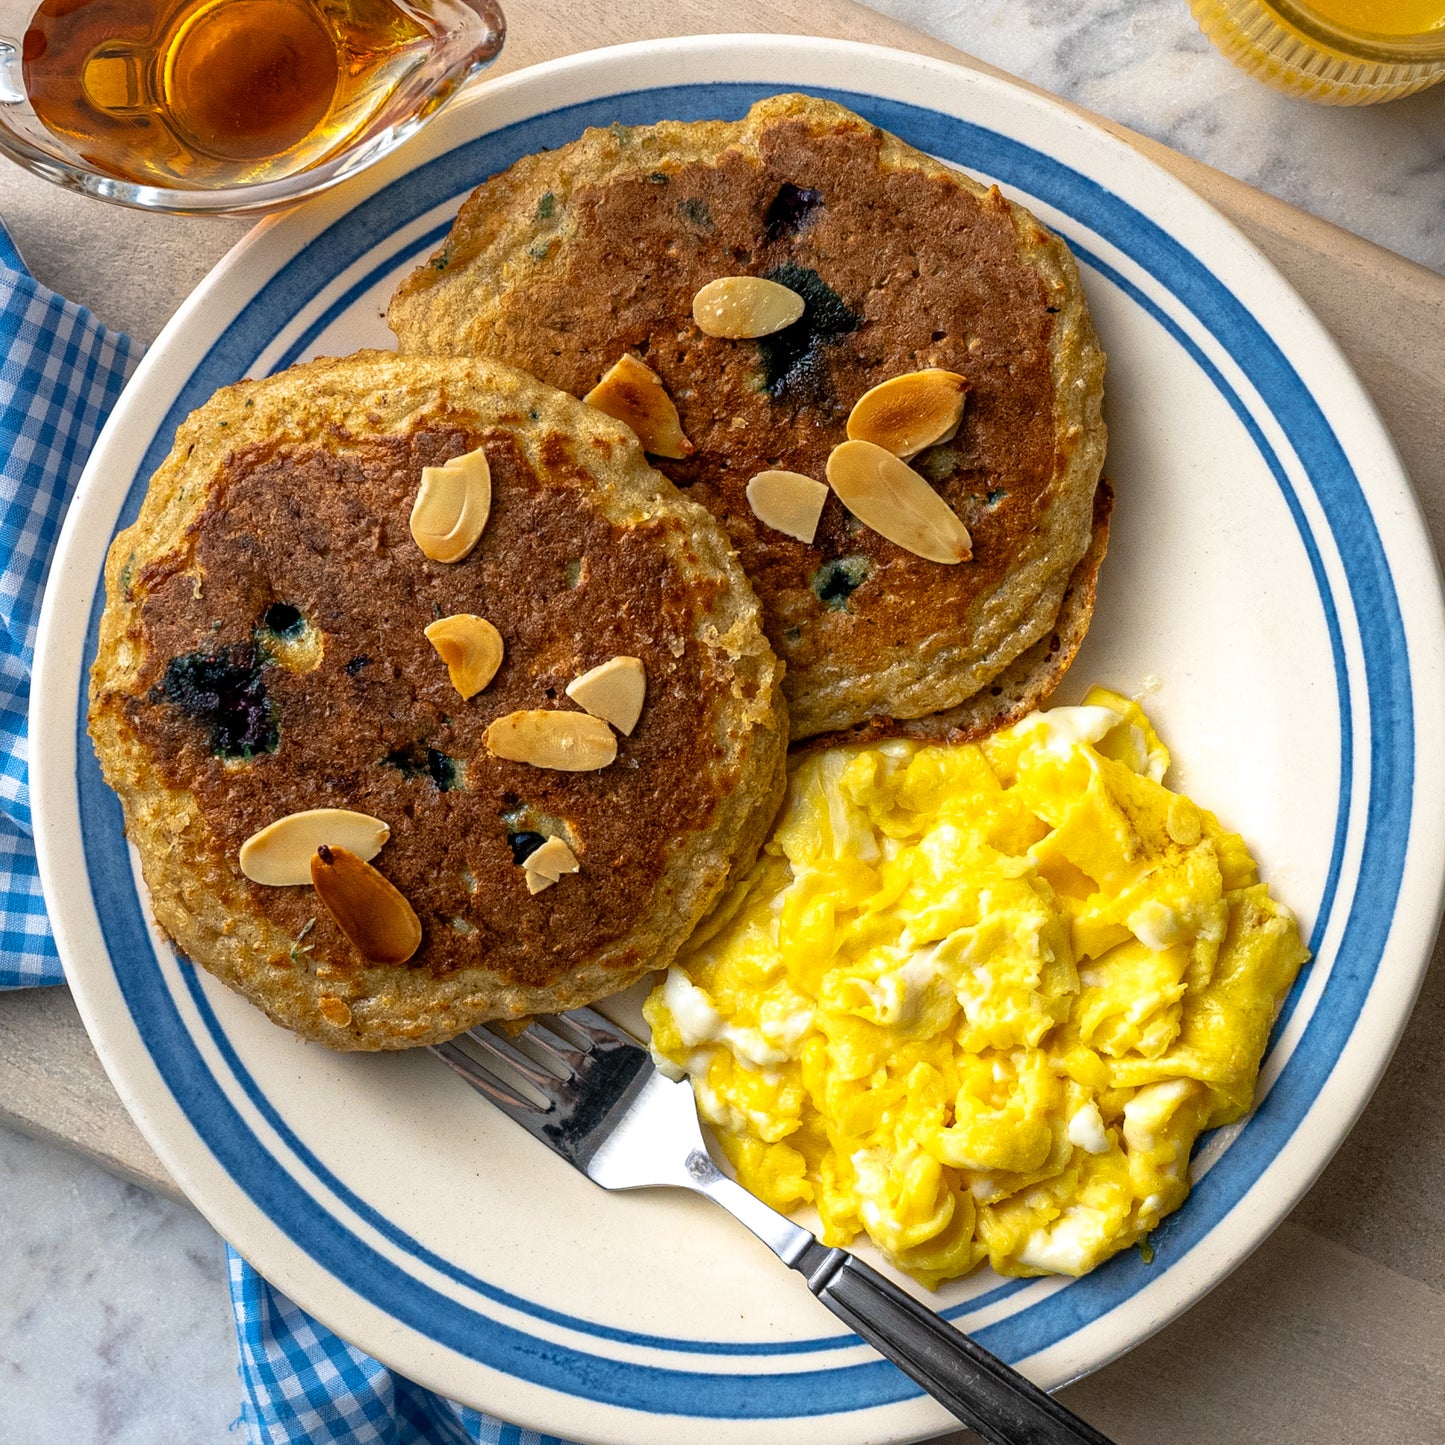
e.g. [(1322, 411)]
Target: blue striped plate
[(1270, 594)]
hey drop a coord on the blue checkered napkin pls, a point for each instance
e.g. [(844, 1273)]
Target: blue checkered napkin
[(304, 1386), (60, 373)]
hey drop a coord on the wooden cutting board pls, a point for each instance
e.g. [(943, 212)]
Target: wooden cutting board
[(1333, 1328)]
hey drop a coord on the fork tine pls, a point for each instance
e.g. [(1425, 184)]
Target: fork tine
[(593, 1028), (476, 1073), (573, 1115), (556, 1049), (565, 1027), (500, 1048)]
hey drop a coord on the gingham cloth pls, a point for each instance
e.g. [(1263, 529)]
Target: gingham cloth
[(60, 374)]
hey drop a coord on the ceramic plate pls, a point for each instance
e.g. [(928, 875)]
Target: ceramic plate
[(1269, 594)]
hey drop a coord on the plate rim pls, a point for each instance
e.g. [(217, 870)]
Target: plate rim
[(693, 47)]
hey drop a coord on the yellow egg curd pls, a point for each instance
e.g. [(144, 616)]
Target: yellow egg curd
[(978, 1001)]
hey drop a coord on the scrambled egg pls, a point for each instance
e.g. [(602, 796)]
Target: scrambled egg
[(979, 1001)]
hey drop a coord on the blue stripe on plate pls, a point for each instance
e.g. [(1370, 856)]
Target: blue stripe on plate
[(301, 348), (1386, 700)]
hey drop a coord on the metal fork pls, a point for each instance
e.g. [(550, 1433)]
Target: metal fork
[(590, 1092)]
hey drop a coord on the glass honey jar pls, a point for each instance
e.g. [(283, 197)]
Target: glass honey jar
[(1341, 52)]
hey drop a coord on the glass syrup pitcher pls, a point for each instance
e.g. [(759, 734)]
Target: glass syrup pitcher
[(227, 106)]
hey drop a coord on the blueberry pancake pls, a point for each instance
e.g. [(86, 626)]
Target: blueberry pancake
[(1017, 690), (288, 629), (574, 258)]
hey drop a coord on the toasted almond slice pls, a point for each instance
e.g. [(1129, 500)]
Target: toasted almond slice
[(907, 413), (570, 742), (633, 393), (737, 307), (452, 506), (368, 909), (471, 648), (552, 859), (336, 1011), (613, 691), (788, 502), (280, 854), (536, 882), (890, 497)]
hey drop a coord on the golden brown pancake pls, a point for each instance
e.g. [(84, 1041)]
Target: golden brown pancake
[(262, 653), (1024, 684), (572, 257)]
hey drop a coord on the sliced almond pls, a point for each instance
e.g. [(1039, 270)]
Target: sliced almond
[(907, 413), (536, 882), (633, 393), (280, 854), (788, 502), (737, 307), (890, 497), (570, 742), (452, 506), (471, 648), (613, 691), (552, 859), (336, 1011), (368, 909)]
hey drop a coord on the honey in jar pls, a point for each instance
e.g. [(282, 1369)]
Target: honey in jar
[(1384, 17), (1343, 52), (212, 93)]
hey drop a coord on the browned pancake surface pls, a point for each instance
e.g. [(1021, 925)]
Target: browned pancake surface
[(377, 725), (263, 653), (568, 260)]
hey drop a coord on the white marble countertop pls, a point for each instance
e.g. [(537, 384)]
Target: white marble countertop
[(1378, 171), (114, 1318)]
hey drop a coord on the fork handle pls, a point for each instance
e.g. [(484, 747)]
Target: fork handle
[(987, 1395)]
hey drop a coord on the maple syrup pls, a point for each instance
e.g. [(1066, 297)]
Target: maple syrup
[(212, 93)]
